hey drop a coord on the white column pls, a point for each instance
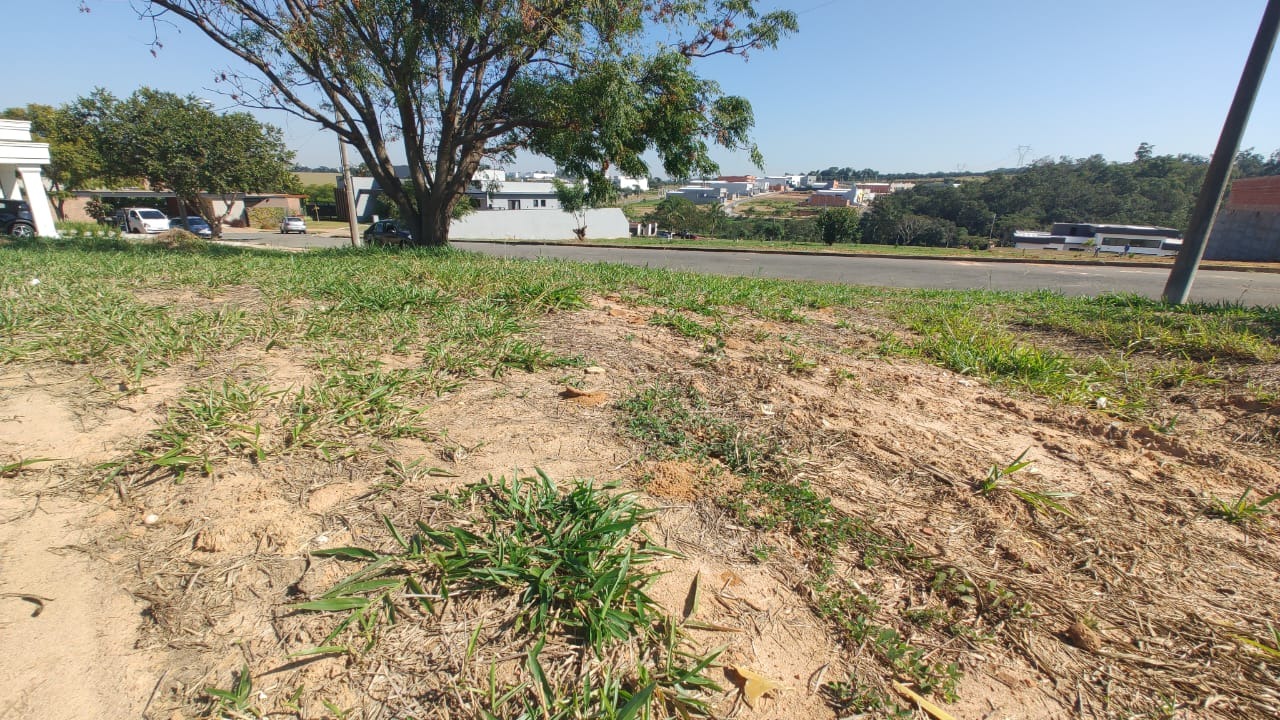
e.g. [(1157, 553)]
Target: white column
[(41, 212), (9, 183)]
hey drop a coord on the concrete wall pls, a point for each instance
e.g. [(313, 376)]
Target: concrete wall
[(1248, 228), (1243, 234), (537, 225)]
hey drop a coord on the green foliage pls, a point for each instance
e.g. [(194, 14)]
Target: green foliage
[(567, 557), (457, 83), (320, 193), (997, 478), (839, 225), (236, 702), (576, 571), (1242, 510), (679, 214), (575, 199), (266, 218)]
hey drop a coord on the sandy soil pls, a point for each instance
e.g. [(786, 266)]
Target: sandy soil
[(128, 600)]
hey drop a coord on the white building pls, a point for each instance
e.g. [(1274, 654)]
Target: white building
[(513, 195), (700, 194), (537, 175), (20, 159), (625, 183)]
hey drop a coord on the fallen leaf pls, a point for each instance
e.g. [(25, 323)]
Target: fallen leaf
[(936, 712), (691, 600), (752, 684), (730, 578), (584, 397)]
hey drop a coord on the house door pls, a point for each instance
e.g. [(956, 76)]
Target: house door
[(513, 204)]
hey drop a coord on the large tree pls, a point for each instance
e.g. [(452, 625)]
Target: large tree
[(179, 143), (591, 84)]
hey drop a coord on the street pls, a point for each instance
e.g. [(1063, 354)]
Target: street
[(1252, 288)]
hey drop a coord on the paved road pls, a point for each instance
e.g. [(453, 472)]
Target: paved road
[(1211, 285)]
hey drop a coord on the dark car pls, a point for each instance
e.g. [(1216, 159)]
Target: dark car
[(15, 219), (387, 233), (195, 224)]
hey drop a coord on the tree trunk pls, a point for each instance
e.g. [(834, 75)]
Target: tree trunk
[(431, 226)]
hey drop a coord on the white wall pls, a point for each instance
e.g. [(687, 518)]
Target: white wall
[(538, 225)]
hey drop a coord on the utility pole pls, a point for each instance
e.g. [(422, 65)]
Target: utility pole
[(1178, 287), (349, 191)]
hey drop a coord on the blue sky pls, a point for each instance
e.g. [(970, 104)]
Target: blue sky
[(895, 85)]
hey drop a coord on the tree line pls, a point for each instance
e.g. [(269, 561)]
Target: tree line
[(166, 141), (982, 209)]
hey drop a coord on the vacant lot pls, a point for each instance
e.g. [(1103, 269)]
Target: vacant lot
[(376, 485)]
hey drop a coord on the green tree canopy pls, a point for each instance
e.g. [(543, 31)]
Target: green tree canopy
[(575, 199), (179, 143), (457, 82), (839, 224)]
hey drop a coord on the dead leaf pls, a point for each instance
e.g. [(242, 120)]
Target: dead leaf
[(691, 600), (752, 684), (936, 712), (584, 397), (730, 578)]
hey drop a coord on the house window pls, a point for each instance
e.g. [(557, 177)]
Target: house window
[(541, 202), (513, 204)]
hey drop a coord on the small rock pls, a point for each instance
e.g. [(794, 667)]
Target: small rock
[(151, 519), (1101, 402), (33, 282), (766, 409), (320, 539), (595, 370)]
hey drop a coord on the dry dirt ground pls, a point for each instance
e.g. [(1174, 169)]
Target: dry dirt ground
[(130, 599)]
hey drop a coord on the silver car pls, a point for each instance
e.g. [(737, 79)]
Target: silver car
[(293, 224)]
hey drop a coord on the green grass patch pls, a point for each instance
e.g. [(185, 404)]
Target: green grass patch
[(577, 566)]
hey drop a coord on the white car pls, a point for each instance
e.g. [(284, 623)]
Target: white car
[(293, 224), (145, 220)]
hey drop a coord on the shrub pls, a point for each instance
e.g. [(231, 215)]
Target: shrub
[(179, 239), (266, 218)]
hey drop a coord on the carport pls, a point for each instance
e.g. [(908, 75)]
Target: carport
[(20, 158)]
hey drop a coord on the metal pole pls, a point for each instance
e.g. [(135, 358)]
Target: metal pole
[(349, 191), (1184, 269)]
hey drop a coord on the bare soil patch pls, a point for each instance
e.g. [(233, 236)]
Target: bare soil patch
[(1133, 599)]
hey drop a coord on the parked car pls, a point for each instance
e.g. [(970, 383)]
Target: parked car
[(15, 219), (387, 233), (145, 220), (293, 224), (194, 223)]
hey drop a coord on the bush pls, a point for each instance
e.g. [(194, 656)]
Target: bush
[(266, 218), (181, 240)]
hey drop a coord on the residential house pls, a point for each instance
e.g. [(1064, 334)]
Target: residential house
[(513, 195), (700, 194), (837, 197), (870, 191), (237, 208)]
